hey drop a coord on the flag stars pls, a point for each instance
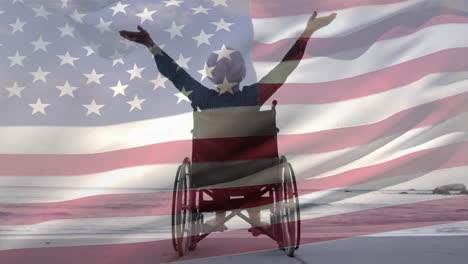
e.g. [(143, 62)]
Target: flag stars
[(226, 86), (93, 77), (203, 38), (119, 89), (77, 17), (222, 25), (67, 59), (175, 30), (17, 26), (14, 90), (172, 3), (183, 95), (89, 50), (128, 44), (135, 103), (40, 75), (206, 71), (92, 48), (219, 3), (40, 44), (41, 12), (182, 62), (66, 30), (135, 72), (39, 107), (160, 81), (146, 15), (64, 3), (93, 108), (117, 58), (119, 8), (16, 60), (66, 89), (224, 53), (103, 26), (200, 10)]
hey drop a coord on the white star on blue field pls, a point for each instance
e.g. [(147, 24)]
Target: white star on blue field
[(65, 64)]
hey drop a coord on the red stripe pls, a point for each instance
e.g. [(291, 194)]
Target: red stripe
[(396, 76), (267, 8), (173, 152), (236, 242), (128, 205), (394, 27)]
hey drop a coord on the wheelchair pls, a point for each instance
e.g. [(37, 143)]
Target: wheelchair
[(235, 165)]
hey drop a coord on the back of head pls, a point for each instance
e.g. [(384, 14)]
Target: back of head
[(232, 68)]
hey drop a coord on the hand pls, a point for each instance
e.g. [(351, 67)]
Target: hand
[(315, 23), (142, 37)]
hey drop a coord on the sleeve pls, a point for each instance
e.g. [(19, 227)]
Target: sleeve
[(269, 84), (195, 91)]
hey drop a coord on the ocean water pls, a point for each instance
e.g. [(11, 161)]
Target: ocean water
[(94, 231)]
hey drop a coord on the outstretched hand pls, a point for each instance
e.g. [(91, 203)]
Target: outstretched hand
[(316, 23), (141, 36)]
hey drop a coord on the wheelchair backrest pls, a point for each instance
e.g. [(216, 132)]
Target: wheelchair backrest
[(231, 123), (229, 145), (234, 135)]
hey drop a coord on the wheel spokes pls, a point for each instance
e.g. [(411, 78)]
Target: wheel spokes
[(288, 210)]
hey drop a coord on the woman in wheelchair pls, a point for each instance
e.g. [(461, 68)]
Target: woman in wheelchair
[(226, 69)]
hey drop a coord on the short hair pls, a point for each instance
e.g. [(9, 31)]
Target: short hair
[(233, 69)]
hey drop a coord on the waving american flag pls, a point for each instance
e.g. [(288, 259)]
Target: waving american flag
[(92, 134)]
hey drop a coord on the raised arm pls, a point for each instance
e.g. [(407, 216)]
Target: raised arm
[(196, 92), (271, 82)]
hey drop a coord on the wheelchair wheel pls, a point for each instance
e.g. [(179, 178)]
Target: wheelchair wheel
[(287, 210), (183, 211)]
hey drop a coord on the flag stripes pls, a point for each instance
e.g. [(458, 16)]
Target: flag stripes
[(381, 94), (147, 204)]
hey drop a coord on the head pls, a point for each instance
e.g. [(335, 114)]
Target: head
[(234, 69)]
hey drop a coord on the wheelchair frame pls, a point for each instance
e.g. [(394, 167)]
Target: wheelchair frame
[(188, 206)]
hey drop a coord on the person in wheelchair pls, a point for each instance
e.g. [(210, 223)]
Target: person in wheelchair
[(226, 69)]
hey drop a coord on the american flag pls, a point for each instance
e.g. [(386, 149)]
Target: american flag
[(92, 134)]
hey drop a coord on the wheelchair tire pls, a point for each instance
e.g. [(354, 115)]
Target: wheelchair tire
[(182, 210), (288, 211), (173, 218)]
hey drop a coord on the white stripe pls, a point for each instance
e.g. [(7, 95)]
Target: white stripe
[(156, 178), (291, 119), (270, 30), (85, 140), (383, 149), (358, 199), (370, 109), (399, 147), (380, 55), (92, 231), (42, 189)]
